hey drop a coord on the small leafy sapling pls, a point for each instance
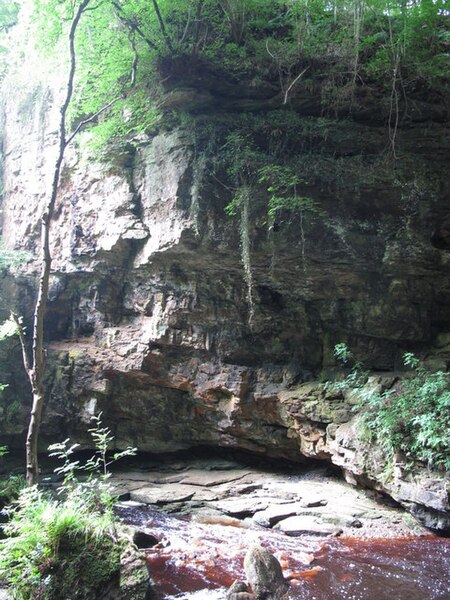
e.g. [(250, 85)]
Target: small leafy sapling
[(96, 467), (356, 374), (101, 461), (410, 360), (64, 451), (342, 353)]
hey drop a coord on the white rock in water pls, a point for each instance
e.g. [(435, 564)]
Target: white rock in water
[(306, 525)]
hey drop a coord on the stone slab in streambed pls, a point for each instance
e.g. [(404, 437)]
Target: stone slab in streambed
[(243, 506), (162, 494), (308, 502), (275, 513), (307, 525), (152, 476), (203, 478), (340, 509)]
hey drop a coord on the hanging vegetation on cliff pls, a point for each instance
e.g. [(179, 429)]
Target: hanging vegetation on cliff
[(400, 48)]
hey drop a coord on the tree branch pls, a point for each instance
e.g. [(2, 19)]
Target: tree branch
[(286, 93), (39, 311), (23, 343), (92, 118), (36, 371), (162, 26), (132, 25)]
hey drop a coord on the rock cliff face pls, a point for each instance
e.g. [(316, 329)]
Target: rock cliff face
[(148, 316)]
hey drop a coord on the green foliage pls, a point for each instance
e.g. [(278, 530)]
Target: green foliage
[(256, 39), (11, 487), (11, 258), (342, 353), (9, 11), (101, 461), (410, 37), (264, 187), (242, 157), (96, 467), (125, 120), (64, 547), (282, 188), (50, 539), (413, 417), (274, 185), (356, 375)]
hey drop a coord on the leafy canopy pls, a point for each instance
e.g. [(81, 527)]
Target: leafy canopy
[(365, 40)]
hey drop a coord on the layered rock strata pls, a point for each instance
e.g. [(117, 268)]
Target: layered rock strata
[(149, 317)]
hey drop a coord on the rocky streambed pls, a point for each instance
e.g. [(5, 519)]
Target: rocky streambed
[(196, 517)]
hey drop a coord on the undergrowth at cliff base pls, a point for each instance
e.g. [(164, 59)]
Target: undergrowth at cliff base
[(58, 548), (10, 486), (411, 418), (65, 545)]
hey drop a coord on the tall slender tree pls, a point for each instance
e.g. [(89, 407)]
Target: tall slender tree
[(34, 362), (35, 365)]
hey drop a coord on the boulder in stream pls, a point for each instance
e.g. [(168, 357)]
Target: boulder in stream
[(264, 574), (239, 590)]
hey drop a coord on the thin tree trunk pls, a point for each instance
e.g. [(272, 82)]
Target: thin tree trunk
[(36, 372), (35, 368)]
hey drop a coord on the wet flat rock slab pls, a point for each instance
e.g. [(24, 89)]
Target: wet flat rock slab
[(305, 503)]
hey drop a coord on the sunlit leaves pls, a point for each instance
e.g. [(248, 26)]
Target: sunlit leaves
[(9, 11), (367, 38), (11, 258)]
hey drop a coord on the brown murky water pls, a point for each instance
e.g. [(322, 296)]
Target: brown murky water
[(199, 560)]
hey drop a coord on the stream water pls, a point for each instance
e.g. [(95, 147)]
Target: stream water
[(200, 559)]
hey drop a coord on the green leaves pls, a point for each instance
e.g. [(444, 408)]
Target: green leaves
[(54, 542), (11, 258), (342, 353), (9, 11), (7, 329), (283, 183), (254, 39), (414, 417)]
